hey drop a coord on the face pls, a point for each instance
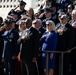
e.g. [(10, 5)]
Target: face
[(21, 26), (30, 11), (73, 16), (11, 26), (70, 9), (54, 8), (47, 3), (63, 20), (36, 25), (60, 15), (48, 26), (22, 7), (48, 14)]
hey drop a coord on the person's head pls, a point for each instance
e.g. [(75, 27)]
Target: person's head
[(1, 20), (60, 14), (54, 7), (64, 19), (22, 25), (47, 3), (28, 22), (36, 23), (48, 12), (30, 12), (74, 25), (9, 24), (22, 5), (50, 25), (73, 15), (70, 8)]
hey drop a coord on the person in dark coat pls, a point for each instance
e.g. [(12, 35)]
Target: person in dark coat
[(22, 10), (54, 7), (10, 49), (73, 52), (29, 50), (21, 7), (2, 29), (48, 14), (65, 41), (37, 23), (16, 17)]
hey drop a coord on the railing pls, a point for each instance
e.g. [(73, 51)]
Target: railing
[(62, 53)]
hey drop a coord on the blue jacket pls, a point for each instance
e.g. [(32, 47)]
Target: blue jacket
[(50, 42)]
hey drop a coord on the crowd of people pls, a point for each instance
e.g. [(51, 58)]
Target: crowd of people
[(24, 35)]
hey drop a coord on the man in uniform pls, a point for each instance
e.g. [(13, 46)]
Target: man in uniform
[(10, 49), (21, 10)]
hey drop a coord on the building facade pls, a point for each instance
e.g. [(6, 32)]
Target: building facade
[(7, 5)]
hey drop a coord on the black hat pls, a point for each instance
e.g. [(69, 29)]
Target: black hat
[(46, 10), (22, 3), (8, 22), (54, 5)]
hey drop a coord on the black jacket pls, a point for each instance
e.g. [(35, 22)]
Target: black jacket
[(66, 39), (30, 47)]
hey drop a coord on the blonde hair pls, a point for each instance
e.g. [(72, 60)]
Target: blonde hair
[(23, 26), (51, 24)]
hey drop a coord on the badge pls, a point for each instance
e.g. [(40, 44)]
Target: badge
[(11, 35), (10, 40)]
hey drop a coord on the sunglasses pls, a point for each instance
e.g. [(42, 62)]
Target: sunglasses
[(62, 18), (35, 23), (47, 24), (59, 16)]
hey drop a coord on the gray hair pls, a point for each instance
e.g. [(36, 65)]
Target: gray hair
[(74, 11)]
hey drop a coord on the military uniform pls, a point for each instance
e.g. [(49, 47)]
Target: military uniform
[(10, 49), (22, 12)]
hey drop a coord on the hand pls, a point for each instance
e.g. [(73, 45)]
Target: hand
[(39, 54), (2, 28), (45, 35), (60, 30), (16, 7), (14, 57), (3, 60), (34, 59), (51, 56), (24, 37)]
